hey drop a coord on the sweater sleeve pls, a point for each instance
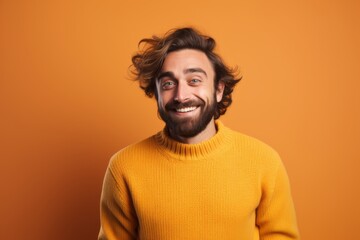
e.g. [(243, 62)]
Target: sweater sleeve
[(276, 214), (117, 214)]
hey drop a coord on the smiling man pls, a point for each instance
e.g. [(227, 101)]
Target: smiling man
[(187, 97), (195, 179)]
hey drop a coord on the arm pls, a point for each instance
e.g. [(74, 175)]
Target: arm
[(117, 214), (276, 214)]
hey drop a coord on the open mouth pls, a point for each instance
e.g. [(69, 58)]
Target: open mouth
[(185, 109)]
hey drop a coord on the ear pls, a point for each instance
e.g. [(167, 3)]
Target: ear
[(220, 91)]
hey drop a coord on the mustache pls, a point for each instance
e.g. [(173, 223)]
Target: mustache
[(174, 104)]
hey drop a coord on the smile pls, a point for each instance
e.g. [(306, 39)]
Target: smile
[(185, 110)]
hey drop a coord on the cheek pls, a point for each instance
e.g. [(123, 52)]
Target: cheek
[(160, 96), (206, 94), (163, 99)]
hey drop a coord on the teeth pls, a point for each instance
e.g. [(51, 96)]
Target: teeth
[(187, 109)]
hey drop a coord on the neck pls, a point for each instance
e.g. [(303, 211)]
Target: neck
[(204, 135)]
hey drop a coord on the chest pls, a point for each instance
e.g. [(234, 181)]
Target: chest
[(196, 197)]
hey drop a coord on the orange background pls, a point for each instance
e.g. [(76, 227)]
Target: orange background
[(67, 104)]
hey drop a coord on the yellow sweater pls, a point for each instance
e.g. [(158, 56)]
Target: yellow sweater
[(229, 187)]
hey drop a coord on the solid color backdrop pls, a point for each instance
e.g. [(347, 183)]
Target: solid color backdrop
[(67, 104)]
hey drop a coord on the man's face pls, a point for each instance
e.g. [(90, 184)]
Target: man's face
[(186, 93)]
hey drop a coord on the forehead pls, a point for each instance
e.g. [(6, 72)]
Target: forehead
[(187, 58)]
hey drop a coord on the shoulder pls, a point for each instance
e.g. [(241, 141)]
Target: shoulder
[(263, 160), (254, 145), (132, 156), (256, 151)]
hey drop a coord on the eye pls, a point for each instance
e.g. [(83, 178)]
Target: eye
[(168, 84), (194, 81)]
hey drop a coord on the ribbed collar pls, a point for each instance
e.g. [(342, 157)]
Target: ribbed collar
[(220, 142)]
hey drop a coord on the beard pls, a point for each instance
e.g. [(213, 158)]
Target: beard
[(187, 127)]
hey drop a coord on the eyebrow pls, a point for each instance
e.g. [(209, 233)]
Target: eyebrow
[(166, 74), (195, 70), (186, 71)]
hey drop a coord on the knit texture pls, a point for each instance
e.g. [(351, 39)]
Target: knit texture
[(229, 187)]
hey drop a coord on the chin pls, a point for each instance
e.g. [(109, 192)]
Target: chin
[(189, 127)]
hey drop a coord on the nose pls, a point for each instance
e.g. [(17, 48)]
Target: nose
[(182, 93)]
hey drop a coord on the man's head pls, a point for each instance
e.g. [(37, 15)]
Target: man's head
[(191, 83)]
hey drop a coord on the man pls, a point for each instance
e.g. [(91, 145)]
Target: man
[(196, 179)]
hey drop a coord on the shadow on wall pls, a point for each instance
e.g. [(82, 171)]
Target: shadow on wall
[(61, 183), (77, 185)]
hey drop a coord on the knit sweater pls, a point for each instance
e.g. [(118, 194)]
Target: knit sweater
[(228, 187)]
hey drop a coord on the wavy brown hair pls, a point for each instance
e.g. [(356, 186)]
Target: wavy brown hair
[(147, 63)]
